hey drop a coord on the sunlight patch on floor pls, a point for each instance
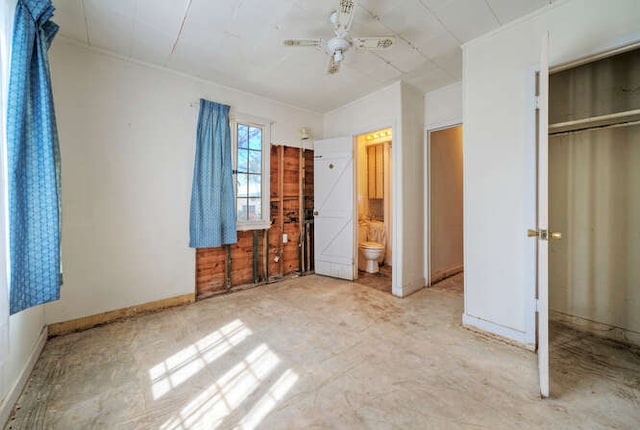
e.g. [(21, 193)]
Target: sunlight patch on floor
[(267, 402), (184, 364), (209, 409)]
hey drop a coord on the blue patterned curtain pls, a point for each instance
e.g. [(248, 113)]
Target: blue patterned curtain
[(33, 161), (213, 215)]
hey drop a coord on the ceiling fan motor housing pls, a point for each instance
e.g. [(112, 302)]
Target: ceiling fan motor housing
[(338, 44)]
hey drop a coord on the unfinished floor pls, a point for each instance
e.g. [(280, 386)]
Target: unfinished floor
[(315, 352)]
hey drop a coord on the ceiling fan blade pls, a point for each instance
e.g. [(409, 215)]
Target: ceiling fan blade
[(346, 10), (334, 66), (302, 42), (380, 42)]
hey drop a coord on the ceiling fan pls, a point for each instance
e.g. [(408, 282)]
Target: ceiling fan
[(342, 41)]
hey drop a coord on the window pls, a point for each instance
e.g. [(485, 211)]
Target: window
[(251, 172)]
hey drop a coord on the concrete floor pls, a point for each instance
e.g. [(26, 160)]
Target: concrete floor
[(380, 281), (316, 352)]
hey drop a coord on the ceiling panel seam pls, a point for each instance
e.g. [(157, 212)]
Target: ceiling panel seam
[(495, 15), (184, 20), (408, 42), (86, 22), (428, 9)]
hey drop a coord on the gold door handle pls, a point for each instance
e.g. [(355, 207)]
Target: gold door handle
[(315, 213), (544, 234)]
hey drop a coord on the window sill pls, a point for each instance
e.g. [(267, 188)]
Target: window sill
[(257, 225)]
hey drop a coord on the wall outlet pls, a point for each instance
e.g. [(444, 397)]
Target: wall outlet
[(285, 238)]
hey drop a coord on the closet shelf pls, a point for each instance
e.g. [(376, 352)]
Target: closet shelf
[(613, 119)]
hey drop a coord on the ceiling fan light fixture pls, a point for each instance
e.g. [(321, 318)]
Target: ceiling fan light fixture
[(337, 46)]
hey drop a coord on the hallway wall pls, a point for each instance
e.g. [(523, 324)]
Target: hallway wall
[(446, 201)]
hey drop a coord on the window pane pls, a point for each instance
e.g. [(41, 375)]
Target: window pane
[(255, 138), (254, 186), (243, 205), (255, 207), (243, 160), (255, 161), (242, 185), (243, 136)]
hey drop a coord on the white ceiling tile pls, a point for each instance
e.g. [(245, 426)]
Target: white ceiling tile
[(429, 77), (165, 16), (152, 45), (402, 56), (413, 20), (441, 44), (124, 8), (377, 7), (508, 10), (465, 19), (69, 15), (111, 31), (451, 62), (239, 43)]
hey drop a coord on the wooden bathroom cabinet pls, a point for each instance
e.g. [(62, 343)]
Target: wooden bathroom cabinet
[(375, 166)]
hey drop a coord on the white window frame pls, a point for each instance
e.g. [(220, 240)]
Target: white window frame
[(238, 118)]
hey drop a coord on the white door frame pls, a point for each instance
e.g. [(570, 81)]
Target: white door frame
[(427, 191), (396, 241)]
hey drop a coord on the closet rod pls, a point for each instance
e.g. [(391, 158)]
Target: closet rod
[(595, 122), (597, 127)]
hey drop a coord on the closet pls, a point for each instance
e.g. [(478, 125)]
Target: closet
[(594, 196)]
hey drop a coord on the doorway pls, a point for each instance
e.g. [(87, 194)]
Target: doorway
[(374, 209), (445, 207), (594, 276)]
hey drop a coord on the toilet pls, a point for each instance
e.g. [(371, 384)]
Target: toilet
[(371, 252)]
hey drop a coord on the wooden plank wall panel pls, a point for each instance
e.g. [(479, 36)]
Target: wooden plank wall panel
[(275, 241), (292, 230), (210, 271), (286, 215), (308, 203), (292, 215), (242, 259)]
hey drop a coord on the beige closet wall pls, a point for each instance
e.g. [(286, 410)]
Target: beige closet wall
[(594, 183), (446, 201), (594, 179)]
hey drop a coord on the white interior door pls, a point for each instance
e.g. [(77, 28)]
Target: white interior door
[(542, 232), (333, 207)]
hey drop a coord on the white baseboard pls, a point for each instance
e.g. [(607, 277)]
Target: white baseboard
[(506, 334), (596, 328), (12, 396)]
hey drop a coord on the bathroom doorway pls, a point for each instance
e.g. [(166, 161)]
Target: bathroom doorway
[(374, 209), (445, 207)]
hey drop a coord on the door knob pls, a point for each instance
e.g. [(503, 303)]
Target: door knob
[(544, 234), (315, 213)]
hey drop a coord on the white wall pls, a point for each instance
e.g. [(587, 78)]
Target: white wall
[(499, 151), (402, 107), (410, 196), (443, 107), (374, 111), (445, 200), (25, 328), (127, 138)]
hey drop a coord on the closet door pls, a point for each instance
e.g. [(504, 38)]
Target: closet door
[(541, 233)]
